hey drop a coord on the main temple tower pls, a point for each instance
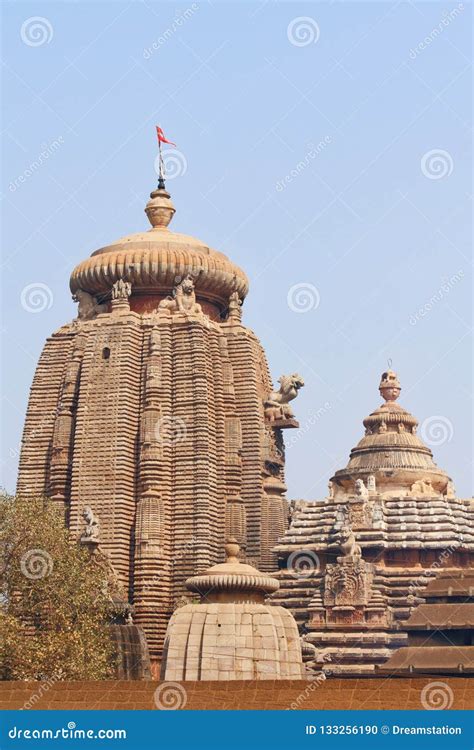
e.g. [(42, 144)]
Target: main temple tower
[(155, 408)]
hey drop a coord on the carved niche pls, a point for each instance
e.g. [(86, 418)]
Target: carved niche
[(348, 584)]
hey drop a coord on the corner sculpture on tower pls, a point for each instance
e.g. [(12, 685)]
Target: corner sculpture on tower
[(390, 522), (150, 409)]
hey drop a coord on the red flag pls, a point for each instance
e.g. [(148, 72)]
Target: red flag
[(162, 138)]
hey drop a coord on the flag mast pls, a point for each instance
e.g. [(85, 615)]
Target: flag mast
[(161, 171), (161, 176)]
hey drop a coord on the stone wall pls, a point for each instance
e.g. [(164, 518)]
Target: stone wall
[(367, 694)]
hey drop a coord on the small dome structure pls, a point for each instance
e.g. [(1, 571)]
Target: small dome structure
[(390, 449), (232, 634)]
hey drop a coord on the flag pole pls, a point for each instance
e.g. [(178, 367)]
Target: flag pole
[(161, 177)]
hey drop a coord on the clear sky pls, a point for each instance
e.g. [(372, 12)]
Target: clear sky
[(325, 145)]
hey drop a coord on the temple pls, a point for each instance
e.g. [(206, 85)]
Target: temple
[(155, 409), (154, 425), (355, 569)]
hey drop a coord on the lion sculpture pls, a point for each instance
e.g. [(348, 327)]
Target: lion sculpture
[(183, 297), (88, 307), (277, 403)]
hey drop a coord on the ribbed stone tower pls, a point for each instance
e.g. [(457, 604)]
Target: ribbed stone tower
[(155, 408), (354, 567)]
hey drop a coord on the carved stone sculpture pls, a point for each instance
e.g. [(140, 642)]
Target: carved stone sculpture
[(92, 529), (347, 543), (422, 487), (347, 585), (371, 484), (277, 402), (121, 289), (360, 489), (235, 307), (182, 298), (88, 307)]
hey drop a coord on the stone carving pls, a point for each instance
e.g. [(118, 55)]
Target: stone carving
[(121, 289), (330, 490), (235, 307), (371, 485), (88, 307), (341, 517), (383, 426), (277, 403), (360, 489), (91, 532), (347, 585), (422, 487), (377, 514), (347, 542), (182, 298), (450, 489)]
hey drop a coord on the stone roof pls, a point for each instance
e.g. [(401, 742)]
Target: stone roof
[(434, 659), (437, 522)]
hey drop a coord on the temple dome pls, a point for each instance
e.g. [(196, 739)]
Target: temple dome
[(390, 449), (152, 260), (232, 633)]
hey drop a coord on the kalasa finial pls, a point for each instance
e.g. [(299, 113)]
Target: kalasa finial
[(389, 386)]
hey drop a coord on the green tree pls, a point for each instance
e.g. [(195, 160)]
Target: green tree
[(54, 602)]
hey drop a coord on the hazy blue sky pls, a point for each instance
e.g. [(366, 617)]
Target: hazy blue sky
[(320, 144)]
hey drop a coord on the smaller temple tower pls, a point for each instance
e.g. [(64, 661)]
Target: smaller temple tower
[(232, 633), (354, 567)]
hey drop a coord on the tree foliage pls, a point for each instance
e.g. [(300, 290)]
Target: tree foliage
[(54, 602)]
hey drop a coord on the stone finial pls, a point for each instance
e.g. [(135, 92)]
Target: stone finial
[(232, 551), (160, 209), (389, 386)]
